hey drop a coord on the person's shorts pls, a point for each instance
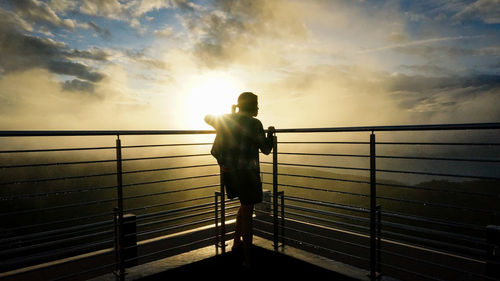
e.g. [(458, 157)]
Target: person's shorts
[(244, 184)]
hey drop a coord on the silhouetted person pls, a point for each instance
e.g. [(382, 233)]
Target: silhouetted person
[(236, 148)]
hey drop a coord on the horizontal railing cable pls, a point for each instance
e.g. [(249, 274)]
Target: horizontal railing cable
[(323, 142), (169, 203), (328, 213), (323, 154), (324, 166), (59, 252), (427, 262), (209, 212), (438, 174), (328, 204), (45, 224), (65, 230), (328, 223), (442, 143), (168, 168), (170, 191), (447, 223), (56, 149), (485, 194), (433, 244), (169, 180), (53, 243), (73, 205), (35, 181), (56, 193), (56, 164), (166, 145), (440, 205), (166, 157), (482, 160), (317, 177), (321, 189)]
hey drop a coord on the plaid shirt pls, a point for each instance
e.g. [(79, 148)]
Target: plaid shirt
[(238, 140)]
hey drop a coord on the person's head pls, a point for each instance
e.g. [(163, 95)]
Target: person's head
[(248, 103)]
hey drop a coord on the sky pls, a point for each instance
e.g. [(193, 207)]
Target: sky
[(151, 64)]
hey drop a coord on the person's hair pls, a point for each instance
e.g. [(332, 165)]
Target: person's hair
[(247, 102)]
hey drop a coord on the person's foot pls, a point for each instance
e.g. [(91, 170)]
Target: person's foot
[(237, 245)]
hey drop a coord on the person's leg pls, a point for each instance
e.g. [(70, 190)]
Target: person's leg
[(246, 231), (237, 230)]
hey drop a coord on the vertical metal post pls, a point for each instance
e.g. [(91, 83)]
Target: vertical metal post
[(373, 207), (379, 239), (222, 213), (217, 236), (275, 191), (282, 202), (119, 181)]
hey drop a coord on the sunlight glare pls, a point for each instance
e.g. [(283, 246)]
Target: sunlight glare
[(211, 93)]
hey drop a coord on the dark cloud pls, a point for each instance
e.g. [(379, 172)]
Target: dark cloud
[(78, 85), (103, 32), (74, 69), (22, 52)]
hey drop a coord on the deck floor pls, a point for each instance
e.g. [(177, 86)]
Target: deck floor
[(266, 263)]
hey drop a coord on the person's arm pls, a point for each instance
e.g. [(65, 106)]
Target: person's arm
[(211, 120), (265, 142)]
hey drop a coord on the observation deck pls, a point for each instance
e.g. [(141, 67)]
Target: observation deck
[(417, 202)]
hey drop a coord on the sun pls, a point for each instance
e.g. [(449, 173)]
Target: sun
[(211, 93)]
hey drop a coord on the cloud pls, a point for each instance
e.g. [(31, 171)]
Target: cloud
[(74, 69), (40, 12), (414, 45), (78, 85), (427, 69), (103, 32), (344, 95), (231, 30), (103, 8), (141, 57), (487, 11), (12, 20), (22, 52), (131, 11), (166, 32)]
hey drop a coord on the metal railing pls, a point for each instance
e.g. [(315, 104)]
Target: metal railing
[(382, 204), (411, 206)]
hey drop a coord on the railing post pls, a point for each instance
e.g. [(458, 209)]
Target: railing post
[(222, 213), (275, 191), (379, 239), (282, 202), (493, 254), (373, 210), (119, 182)]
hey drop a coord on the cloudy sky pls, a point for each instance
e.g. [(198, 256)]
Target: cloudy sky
[(152, 64)]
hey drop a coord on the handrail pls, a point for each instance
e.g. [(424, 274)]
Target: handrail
[(432, 127)]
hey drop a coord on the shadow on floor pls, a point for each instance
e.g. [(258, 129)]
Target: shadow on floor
[(266, 264)]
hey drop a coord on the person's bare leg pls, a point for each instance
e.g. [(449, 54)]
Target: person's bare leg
[(247, 232), (237, 230)]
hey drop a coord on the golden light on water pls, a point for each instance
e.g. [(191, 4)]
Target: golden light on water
[(211, 93)]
